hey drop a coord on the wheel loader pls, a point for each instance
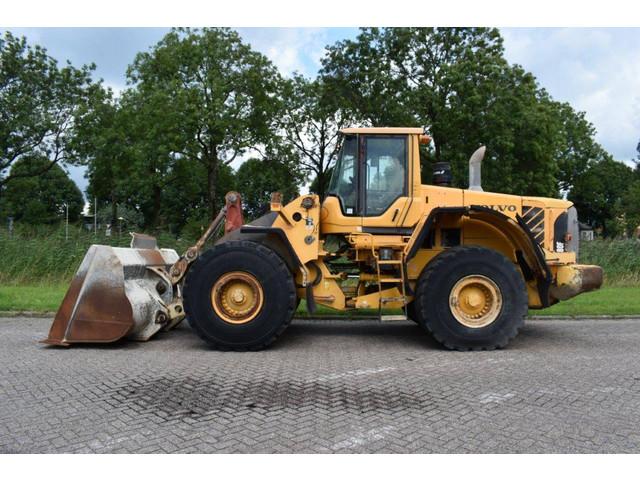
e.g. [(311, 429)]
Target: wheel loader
[(464, 264)]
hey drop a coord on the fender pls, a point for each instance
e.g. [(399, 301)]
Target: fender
[(262, 231), (275, 238), (528, 252)]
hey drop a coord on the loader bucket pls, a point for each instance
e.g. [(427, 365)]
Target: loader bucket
[(116, 293)]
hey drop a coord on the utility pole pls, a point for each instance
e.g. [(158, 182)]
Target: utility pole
[(95, 216)]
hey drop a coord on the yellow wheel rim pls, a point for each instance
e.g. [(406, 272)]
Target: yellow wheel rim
[(475, 301), (237, 297)]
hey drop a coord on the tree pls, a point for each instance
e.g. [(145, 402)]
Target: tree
[(43, 198), (399, 76), (311, 122), (361, 75), (131, 146), (257, 178), (103, 143), (128, 219), (629, 205), (321, 183), (515, 120), (576, 148), (187, 200), (41, 105), (221, 95), (457, 82), (597, 192), (152, 158)]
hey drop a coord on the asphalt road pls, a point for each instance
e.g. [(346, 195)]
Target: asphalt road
[(325, 386)]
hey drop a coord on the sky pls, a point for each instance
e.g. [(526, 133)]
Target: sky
[(596, 70)]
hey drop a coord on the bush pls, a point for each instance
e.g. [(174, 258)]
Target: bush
[(40, 254), (620, 259)]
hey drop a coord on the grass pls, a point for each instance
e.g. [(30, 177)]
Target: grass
[(35, 255), (38, 263), (607, 301), (34, 298), (610, 300)]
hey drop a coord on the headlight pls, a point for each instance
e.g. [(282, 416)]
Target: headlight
[(566, 232)]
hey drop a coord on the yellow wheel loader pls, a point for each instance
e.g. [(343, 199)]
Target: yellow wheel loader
[(466, 265)]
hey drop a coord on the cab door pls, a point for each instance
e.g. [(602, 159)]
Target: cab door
[(384, 189)]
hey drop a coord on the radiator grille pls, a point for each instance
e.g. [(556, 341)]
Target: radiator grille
[(534, 218)]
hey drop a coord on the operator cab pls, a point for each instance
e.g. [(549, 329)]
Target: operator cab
[(372, 177)]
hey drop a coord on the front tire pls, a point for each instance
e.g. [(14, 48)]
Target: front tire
[(239, 295), (412, 313), (471, 298)]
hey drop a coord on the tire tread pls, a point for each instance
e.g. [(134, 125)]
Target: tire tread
[(438, 264), (219, 250)]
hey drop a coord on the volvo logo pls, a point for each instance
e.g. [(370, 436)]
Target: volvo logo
[(502, 208)]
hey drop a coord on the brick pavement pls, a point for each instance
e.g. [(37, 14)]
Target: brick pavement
[(325, 386)]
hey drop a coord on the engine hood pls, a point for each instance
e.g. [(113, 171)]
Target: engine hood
[(508, 203), (548, 202)]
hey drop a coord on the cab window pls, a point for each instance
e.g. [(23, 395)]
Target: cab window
[(384, 172), (344, 180)]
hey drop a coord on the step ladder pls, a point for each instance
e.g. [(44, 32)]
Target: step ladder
[(391, 280)]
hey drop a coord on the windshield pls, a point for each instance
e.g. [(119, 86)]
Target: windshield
[(344, 180)]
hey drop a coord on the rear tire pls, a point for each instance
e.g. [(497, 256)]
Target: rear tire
[(270, 288), (471, 298)]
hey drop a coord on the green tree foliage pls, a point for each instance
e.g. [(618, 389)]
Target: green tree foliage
[(597, 194), (103, 144), (257, 178), (311, 121), (321, 184), (187, 201), (629, 202), (161, 151), (215, 96), (132, 147), (576, 148), (457, 82), (154, 163), (629, 206), (515, 120), (41, 105), (42, 198), (128, 219)]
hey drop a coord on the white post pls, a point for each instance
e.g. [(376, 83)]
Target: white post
[(66, 227)]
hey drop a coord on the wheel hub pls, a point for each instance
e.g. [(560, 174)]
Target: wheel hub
[(237, 297), (475, 301)]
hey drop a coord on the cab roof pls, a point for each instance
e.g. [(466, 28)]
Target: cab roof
[(384, 130)]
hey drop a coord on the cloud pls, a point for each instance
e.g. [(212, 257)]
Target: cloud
[(596, 70), (292, 49)]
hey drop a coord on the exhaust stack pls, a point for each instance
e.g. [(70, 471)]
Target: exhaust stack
[(475, 178)]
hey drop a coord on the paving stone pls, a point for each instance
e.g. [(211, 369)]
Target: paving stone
[(325, 386)]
